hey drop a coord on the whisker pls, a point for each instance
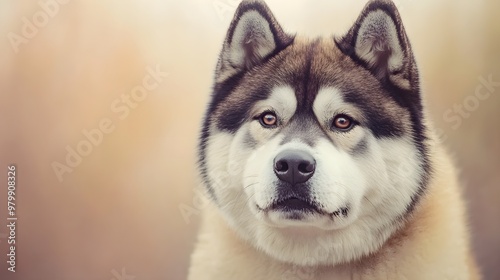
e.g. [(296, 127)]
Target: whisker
[(248, 198), (252, 184), (369, 201)]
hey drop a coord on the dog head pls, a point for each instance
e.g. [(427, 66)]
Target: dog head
[(315, 144)]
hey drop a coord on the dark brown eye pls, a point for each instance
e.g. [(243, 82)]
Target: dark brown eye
[(342, 122), (268, 119)]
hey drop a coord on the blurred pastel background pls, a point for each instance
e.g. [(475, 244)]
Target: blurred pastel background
[(117, 212)]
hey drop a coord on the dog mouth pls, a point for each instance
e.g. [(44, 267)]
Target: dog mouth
[(295, 204), (295, 208)]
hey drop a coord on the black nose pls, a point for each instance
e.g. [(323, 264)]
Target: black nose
[(294, 166)]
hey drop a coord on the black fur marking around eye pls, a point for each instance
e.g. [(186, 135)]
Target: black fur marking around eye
[(232, 118), (378, 121)]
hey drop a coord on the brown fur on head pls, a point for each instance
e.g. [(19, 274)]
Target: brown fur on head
[(365, 178)]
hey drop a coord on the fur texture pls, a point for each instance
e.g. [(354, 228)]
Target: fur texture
[(380, 199)]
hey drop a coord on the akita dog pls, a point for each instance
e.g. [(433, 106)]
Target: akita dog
[(320, 161)]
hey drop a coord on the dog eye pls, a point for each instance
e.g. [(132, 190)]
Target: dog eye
[(268, 119), (343, 122)]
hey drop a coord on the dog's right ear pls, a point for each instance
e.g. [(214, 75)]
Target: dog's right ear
[(253, 36)]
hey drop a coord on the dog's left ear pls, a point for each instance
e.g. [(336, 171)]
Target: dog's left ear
[(253, 36), (379, 42)]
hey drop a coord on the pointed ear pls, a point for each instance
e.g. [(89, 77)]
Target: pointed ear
[(253, 36), (379, 42)]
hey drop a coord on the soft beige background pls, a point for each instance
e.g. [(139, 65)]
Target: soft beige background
[(119, 208)]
